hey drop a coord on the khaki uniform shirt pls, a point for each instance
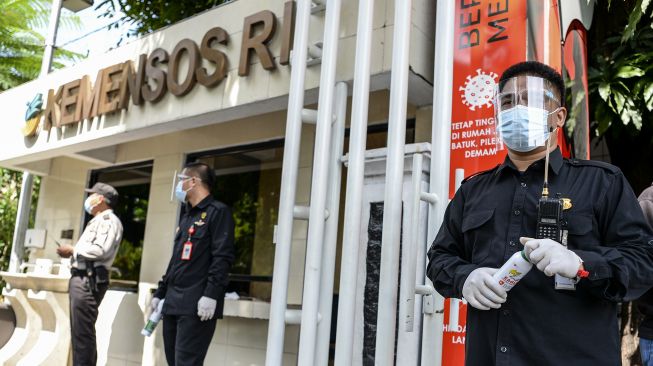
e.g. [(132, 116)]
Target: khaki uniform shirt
[(99, 241)]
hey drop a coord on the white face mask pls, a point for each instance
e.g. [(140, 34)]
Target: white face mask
[(89, 204), (524, 128)]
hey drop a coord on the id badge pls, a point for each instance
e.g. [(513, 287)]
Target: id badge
[(564, 283), (186, 251)]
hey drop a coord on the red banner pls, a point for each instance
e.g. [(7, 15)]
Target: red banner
[(453, 337), (490, 36), (576, 66)]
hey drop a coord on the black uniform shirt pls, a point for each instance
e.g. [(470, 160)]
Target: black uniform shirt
[(539, 325), (207, 271)]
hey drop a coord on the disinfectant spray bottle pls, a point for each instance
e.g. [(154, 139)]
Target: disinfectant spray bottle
[(154, 319), (513, 270)]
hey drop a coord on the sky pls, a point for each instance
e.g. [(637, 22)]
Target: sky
[(92, 36)]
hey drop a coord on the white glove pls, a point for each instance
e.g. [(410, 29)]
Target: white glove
[(206, 308), (154, 304), (552, 257), (482, 291)]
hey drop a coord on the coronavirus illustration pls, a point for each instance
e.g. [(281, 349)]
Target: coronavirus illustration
[(478, 89)]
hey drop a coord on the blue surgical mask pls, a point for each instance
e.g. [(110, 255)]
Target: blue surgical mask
[(180, 194), (523, 128)]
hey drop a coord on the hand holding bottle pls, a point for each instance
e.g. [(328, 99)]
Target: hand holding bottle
[(482, 291)]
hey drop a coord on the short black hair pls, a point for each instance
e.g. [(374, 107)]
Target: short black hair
[(203, 172), (535, 68)]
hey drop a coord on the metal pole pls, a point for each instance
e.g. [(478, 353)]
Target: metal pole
[(277, 326), (441, 138), (392, 207), (22, 219), (408, 341), (25, 198), (454, 303), (321, 164), (409, 251), (331, 234), (51, 38), (355, 173)]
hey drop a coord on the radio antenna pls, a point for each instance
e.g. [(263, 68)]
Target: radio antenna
[(545, 188)]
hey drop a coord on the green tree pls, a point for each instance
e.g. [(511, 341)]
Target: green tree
[(635, 9), (620, 51), (21, 52), (21, 45), (621, 86), (621, 94), (146, 16), (10, 184)]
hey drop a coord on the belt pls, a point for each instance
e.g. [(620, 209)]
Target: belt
[(81, 272), (77, 272)]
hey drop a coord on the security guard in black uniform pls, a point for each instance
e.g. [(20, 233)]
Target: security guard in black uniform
[(194, 283), (92, 258), (564, 311)]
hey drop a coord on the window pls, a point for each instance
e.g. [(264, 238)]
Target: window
[(133, 185), (248, 180)]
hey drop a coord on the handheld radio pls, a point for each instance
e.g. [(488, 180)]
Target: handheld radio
[(549, 222), (549, 218), (549, 210)]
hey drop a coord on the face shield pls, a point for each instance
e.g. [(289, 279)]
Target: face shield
[(177, 180), (522, 108), (178, 190)]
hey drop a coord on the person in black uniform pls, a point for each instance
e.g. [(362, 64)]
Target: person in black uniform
[(609, 252), (198, 272), (92, 258)]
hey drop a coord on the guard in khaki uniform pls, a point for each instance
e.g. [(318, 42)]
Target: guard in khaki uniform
[(198, 272), (92, 257)]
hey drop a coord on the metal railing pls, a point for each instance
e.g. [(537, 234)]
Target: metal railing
[(319, 184), (392, 207), (432, 324), (355, 174), (322, 213), (276, 329), (331, 234)]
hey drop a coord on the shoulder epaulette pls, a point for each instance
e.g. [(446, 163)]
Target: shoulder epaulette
[(595, 163), (217, 204), (481, 173)]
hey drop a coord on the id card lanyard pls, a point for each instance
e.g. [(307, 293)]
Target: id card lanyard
[(188, 245)]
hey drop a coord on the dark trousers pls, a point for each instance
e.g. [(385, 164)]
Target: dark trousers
[(84, 303), (186, 339)]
